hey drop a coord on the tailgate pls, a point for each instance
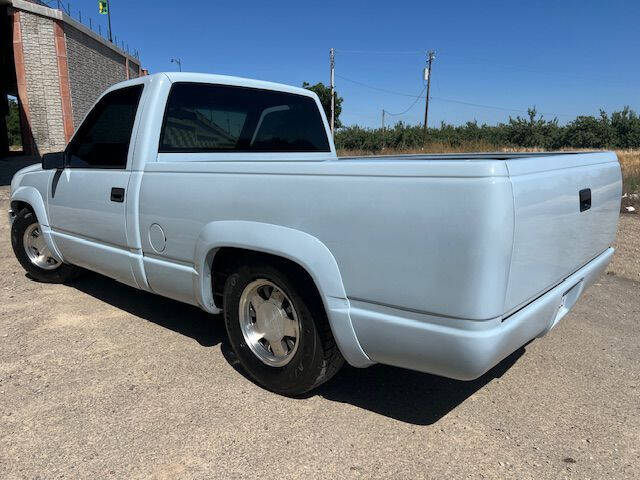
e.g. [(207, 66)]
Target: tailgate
[(552, 236)]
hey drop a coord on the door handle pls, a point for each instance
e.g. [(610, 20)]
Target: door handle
[(585, 199), (117, 194)]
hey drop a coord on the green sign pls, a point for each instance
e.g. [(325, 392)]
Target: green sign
[(103, 7)]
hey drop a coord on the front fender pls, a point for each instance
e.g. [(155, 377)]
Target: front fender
[(31, 196), (299, 247)]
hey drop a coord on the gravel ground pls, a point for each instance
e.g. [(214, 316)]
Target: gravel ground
[(626, 262), (98, 380)]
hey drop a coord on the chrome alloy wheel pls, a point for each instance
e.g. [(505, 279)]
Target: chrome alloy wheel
[(269, 323), (36, 248)]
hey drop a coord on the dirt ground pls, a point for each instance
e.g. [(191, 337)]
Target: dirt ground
[(626, 262), (98, 380)]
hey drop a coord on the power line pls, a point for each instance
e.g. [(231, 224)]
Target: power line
[(359, 115), (384, 112), (495, 107), (418, 97), (540, 70), (373, 52), (376, 88), (506, 109), (502, 64)]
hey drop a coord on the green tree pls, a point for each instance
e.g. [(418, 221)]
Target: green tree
[(324, 93), (531, 131), (626, 125), (620, 129), (587, 131), (13, 124)]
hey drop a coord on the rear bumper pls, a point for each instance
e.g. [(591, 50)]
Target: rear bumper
[(465, 349)]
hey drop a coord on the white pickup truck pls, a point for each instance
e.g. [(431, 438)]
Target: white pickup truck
[(226, 193)]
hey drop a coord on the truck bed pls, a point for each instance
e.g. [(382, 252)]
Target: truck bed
[(552, 238), (472, 236)]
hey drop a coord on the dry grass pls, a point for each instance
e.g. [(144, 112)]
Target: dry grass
[(630, 163), (435, 147)]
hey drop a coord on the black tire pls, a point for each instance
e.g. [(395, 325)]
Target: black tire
[(317, 357), (64, 272)]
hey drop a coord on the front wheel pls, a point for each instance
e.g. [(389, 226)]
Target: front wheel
[(278, 330), (32, 252)]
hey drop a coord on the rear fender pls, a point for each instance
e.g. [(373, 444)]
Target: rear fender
[(302, 248)]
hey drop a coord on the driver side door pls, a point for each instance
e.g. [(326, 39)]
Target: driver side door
[(87, 199)]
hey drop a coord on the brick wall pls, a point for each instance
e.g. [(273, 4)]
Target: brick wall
[(42, 85)]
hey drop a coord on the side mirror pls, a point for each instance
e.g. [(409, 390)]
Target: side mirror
[(52, 161)]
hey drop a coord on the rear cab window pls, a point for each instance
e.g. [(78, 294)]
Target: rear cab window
[(224, 118), (102, 141)]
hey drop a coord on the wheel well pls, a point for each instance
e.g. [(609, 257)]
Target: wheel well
[(18, 205), (228, 259)]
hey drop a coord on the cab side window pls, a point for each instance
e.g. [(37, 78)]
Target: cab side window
[(224, 118), (103, 139)]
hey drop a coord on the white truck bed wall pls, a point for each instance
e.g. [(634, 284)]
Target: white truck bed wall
[(431, 236), (439, 237), (552, 237)]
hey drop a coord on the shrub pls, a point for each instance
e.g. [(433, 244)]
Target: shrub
[(620, 130)]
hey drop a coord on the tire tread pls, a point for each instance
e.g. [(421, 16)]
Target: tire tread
[(62, 274), (330, 359)]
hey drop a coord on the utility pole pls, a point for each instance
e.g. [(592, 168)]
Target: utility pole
[(332, 58), (431, 55), (109, 19), (383, 112)]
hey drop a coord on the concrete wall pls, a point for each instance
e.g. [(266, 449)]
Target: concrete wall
[(134, 70), (92, 68), (42, 82), (61, 68)]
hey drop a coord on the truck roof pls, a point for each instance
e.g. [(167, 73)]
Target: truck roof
[(230, 80)]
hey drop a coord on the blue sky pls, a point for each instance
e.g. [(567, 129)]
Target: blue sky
[(565, 57)]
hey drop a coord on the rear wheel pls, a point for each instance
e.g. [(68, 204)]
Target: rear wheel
[(33, 253), (278, 330)]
